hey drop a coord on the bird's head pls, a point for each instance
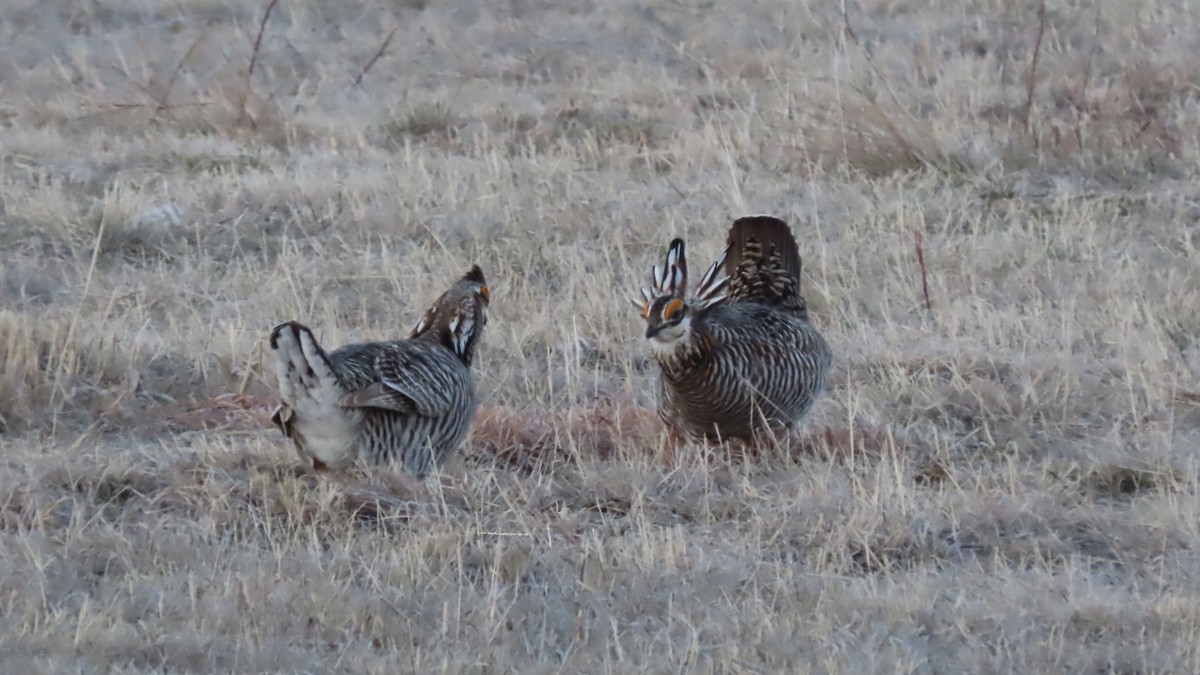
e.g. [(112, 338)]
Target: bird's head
[(457, 318), (668, 320)]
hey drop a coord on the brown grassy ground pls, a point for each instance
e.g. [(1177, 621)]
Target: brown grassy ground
[(1005, 480)]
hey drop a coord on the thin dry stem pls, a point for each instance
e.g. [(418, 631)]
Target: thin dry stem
[(378, 55), (249, 82), (1033, 65), (919, 245)]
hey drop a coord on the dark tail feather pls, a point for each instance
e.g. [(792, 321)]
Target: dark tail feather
[(764, 262), (772, 234)]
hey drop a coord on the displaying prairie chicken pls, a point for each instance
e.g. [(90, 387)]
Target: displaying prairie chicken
[(739, 357), (407, 400)]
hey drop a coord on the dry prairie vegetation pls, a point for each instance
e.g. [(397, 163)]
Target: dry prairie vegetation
[(1002, 477)]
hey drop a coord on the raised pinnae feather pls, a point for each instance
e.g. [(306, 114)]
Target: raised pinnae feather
[(713, 283), (676, 250), (669, 278), (646, 297), (715, 296), (675, 253), (677, 269), (712, 270)]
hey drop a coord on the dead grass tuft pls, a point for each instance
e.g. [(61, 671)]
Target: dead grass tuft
[(854, 129), (861, 442), (420, 120), (1123, 119), (607, 125), (50, 369)]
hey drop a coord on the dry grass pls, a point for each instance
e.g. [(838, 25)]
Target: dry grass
[(1003, 480)]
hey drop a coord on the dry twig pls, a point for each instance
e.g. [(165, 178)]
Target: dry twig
[(378, 55), (1037, 52), (919, 243), (262, 26)]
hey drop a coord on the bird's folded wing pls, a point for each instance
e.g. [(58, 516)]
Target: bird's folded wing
[(410, 383)]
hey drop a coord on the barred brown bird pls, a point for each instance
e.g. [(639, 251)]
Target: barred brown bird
[(739, 357), (408, 400)]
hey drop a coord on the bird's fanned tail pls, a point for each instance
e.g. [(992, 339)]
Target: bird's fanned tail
[(763, 262)]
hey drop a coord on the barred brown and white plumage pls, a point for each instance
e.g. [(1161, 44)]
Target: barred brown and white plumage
[(409, 400), (739, 357)]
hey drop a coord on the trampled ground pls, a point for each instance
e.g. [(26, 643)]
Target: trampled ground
[(1001, 478)]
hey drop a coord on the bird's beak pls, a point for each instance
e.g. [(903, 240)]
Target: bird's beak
[(651, 330)]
